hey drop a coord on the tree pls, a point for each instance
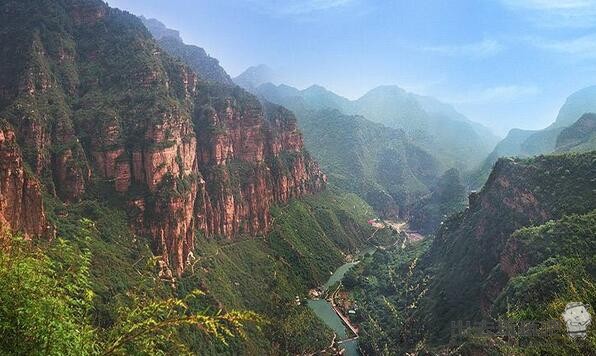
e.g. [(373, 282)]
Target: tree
[(46, 303)]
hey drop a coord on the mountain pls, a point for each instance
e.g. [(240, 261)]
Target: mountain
[(431, 124), (86, 108), (435, 126), (380, 164), (522, 250), (526, 143), (579, 137), (519, 193), (577, 104), (135, 195), (254, 76), (196, 58), (317, 97)]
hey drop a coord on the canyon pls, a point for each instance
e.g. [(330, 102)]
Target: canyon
[(183, 154)]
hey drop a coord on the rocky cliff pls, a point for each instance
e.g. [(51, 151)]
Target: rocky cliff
[(474, 255), (94, 102), (21, 207)]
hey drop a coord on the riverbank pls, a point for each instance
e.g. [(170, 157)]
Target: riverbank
[(346, 333)]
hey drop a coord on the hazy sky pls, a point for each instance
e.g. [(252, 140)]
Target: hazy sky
[(504, 63)]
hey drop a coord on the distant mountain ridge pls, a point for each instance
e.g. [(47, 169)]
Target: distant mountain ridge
[(433, 125), (579, 137), (526, 143), (254, 76)]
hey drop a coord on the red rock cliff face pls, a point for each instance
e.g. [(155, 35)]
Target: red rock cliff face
[(21, 207), (251, 158), (96, 102)]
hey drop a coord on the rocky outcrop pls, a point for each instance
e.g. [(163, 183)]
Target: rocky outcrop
[(96, 102), (251, 159), (476, 252), (21, 206)]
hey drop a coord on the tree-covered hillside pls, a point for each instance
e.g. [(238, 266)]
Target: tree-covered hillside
[(579, 137), (521, 251), (145, 211), (378, 163)]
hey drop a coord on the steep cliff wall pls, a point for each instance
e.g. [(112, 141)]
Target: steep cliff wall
[(94, 102), (473, 256), (21, 207)]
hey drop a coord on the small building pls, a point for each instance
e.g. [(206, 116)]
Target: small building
[(315, 293)]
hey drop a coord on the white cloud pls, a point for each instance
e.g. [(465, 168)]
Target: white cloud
[(499, 94), (482, 49), (298, 7), (556, 13), (584, 46)]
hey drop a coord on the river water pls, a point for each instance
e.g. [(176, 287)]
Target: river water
[(323, 309)]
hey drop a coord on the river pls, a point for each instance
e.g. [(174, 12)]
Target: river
[(323, 309)]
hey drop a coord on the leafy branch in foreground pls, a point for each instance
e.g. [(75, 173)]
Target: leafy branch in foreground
[(150, 324), (46, 306)]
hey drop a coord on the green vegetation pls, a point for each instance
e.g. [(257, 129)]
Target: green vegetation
[(386, 291), (518, 254), (379, 164), (562, 268), (44, 302), (48, 299), (448, 197), (265, 274)]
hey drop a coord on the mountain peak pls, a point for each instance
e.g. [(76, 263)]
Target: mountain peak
[(159, 30), (386, 90), (577, 104), (254, 76), (316, 87)]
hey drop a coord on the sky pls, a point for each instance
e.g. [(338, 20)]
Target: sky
[(503, 63)]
